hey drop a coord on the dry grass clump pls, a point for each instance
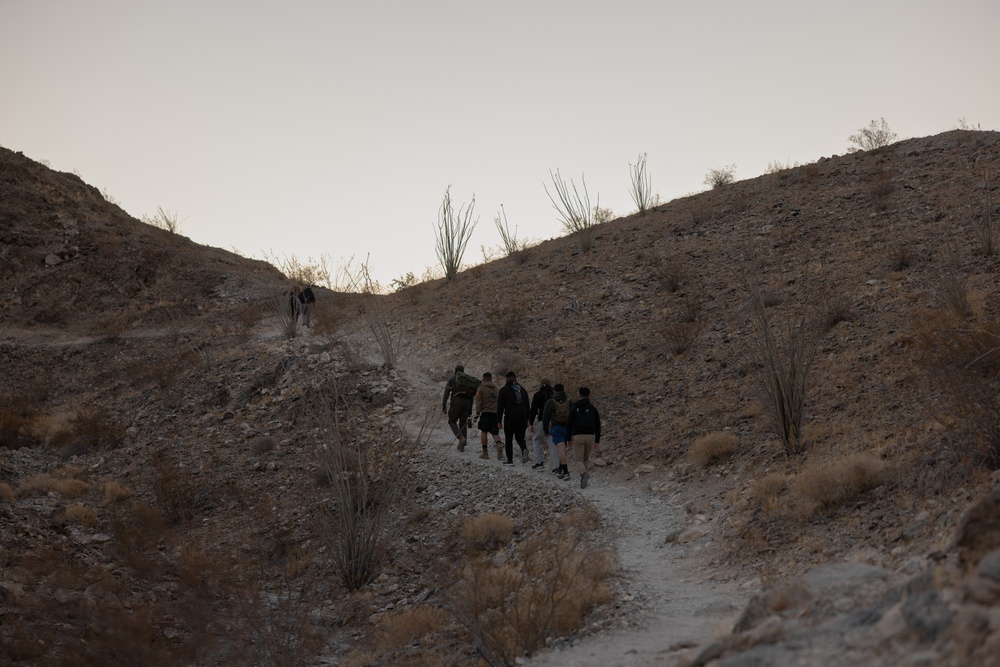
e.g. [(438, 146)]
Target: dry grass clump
[(82, 515), (544, 590), (409, 627), (826, 484), (18, 423), (88, 430), (507, 320), (712, 447), (114, 492), (677, 337), (487, 532), (6, 493), (42, 483), (766, 491)]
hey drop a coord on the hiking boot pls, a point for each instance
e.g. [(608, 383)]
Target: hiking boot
[(461, 445), (584, 478), (557, 471), (484, 455), (538, 466), (563, 474), (524, 456)]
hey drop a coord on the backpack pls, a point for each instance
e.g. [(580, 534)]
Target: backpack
[(465, 385), (585, 419), (518, 393), (308, 296), (560, 412)]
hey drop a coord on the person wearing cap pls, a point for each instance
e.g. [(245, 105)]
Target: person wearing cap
[(512, 412), (460, 411), (555, 422), (539, 437)]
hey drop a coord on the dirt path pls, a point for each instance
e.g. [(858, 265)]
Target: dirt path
[(669, 583)]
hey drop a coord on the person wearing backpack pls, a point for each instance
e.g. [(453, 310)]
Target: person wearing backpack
[(486, 415), (555, 422), (540, 437), (512, 412), (585, 432), (460, 388), (307, 298)]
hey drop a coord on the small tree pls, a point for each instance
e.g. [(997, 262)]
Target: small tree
[(642, 191), (453, 233), (574, 209), (716, 178), (876, 135)]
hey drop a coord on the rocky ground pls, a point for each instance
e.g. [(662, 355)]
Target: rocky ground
[(163, 500)]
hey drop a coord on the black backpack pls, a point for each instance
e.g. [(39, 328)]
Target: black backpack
[(585, 418), (518, 394)]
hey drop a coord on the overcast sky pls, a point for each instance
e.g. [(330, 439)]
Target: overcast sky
[(333, 128)]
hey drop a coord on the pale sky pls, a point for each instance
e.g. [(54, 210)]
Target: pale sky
[(333, 128)]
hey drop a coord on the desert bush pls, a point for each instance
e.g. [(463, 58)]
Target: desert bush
[(720, 176), (672, 273), (115, 492), (82, 515), (18, 423), (6, 493), (508, 318), (641, 190), (164, 219), (712, 447), (403, 282), (766, 491), (837, 308), (90, 429), (404, 628), (983, 223), (950, 282), (782, 356), (487, 532), (309, 271), (42, 483), (137, 528), (880, 186), (823, 484), (452, 234), (509, 242), (900, 257), (776, 166), (875, 135), (388, 337), (369, 481), (175, 487), (677, 336), (574, 209), (543, 591)]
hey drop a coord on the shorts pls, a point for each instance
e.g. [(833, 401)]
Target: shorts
[(558, 434), (488, 423)]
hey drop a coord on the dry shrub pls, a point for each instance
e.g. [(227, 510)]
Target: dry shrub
[(82, 515), (6, 493), (826, 484), (766, 491), (506, 360), (262, 445), (88, 430), (18, 423), (900, 257), (963, 362), (879, 185), (175, 487), (42, 483), (114, 492), (137, 530), (487, 532), (836, 309), (543, 591), (507, 320), (677, 337), (672, 273), (409, 627), (713, 447), (950, 282)]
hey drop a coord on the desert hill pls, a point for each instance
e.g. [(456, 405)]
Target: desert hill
[(157, 423)]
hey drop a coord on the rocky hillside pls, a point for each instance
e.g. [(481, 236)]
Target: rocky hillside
[(162, 495)]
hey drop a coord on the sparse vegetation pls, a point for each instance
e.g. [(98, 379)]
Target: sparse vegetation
[(487, 532), (311, 271), (983, 222), (452, 234), (642, 189), (713, 447), (879, 188), (875, 135), (823, 484), (951, 282), (509, 242), (776, 166), (574, 209), (164, 219), (720, 176)]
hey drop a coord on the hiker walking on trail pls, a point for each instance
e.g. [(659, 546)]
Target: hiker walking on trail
[(555, 423), (486, 415), (307, 298), (512, 412), (585, 432), (540, 437), (460, 388)]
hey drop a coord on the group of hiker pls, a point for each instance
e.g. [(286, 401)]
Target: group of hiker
[(300, 304), (553, 420)]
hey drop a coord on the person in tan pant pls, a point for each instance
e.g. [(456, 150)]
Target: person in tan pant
[(585, 432)]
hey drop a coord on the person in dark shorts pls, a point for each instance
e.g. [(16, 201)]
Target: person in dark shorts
[(512, 412), (486, 415), (555, 421)]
